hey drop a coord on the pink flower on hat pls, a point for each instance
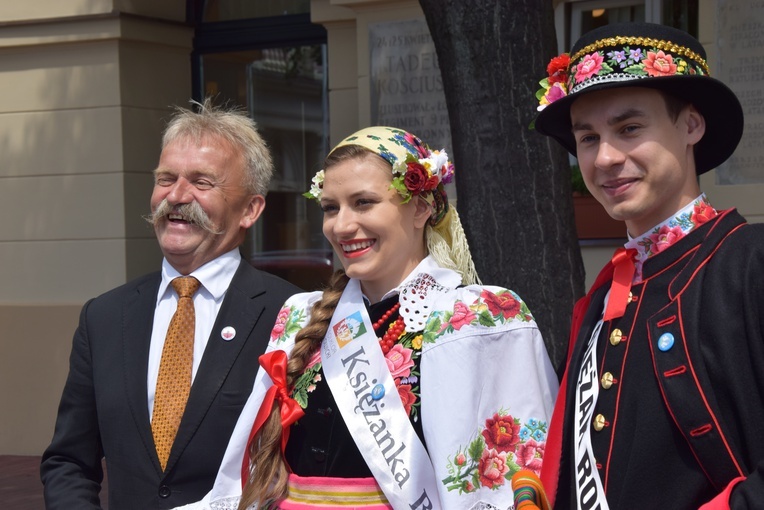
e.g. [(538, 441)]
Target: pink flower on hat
[(659, 64), (553, 93), (588, 67)]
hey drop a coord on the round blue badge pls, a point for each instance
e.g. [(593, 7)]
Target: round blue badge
[(666, 342), (377, 392)]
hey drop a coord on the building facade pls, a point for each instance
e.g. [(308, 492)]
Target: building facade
[(87, 86)]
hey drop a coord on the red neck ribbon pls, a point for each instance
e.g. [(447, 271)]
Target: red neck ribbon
[(275, 365), (623, 274)]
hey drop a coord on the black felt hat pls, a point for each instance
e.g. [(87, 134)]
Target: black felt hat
[(642, 55)]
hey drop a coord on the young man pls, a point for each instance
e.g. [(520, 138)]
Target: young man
[(157, 382), (662, 405)]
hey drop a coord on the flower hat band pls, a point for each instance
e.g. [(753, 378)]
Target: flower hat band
[(617, 59), (641, 55), (417, 170)]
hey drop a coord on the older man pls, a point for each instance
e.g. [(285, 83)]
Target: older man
[(161, 366)]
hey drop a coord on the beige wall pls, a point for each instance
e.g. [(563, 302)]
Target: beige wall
[(86, 86)]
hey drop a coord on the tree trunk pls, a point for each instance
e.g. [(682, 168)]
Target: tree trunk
[(513, 185)]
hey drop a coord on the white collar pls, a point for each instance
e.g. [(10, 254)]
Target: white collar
[(215, 275)]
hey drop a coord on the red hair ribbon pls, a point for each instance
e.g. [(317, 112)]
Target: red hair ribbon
[(275, 365), (623, 274)]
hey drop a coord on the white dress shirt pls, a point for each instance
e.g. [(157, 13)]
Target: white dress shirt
[(215, 277)]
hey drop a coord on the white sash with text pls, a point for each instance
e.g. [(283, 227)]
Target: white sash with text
[(357, 372), (590, 494)]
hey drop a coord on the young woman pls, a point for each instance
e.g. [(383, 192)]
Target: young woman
[(405, 384)]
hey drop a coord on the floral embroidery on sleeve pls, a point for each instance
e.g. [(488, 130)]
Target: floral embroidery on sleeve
[(490, 309), (288, 322), (502, 448)]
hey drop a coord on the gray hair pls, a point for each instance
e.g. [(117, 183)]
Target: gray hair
[(232, 125)]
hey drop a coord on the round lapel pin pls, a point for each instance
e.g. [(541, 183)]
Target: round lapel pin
[(665, 342), (228, 333)]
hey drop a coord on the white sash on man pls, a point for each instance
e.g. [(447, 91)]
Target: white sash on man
[(368, 400), (589, 491)]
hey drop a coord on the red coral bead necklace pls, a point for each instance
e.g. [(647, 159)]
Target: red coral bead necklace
[(393, 331)]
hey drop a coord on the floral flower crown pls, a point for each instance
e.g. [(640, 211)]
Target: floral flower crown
[(628, 58), (417, 170)]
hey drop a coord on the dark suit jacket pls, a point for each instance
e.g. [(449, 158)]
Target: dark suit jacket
[(104, 407)]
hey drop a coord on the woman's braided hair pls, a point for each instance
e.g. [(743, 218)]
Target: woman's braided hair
[(268, 475)]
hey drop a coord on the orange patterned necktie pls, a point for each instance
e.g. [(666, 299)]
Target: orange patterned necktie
[(174, 380)]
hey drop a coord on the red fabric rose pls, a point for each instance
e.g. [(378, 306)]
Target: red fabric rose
[(501, 432), (492, 468), (503, 303), (529, 455), (408, 398), (702, 213), (431, 183), (415, 178), (558, 69)]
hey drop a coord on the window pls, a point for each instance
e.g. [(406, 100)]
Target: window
[(264, 57), (576, 17)]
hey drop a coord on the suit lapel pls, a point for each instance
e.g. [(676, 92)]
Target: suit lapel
[(138, 319), (240, 310)]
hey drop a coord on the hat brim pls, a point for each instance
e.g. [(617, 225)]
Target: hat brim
[(713, 99)]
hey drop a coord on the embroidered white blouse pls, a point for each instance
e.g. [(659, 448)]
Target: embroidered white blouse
[(487, 393)]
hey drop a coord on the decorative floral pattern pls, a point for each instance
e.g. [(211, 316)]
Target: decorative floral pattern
[(502, 448), (289, 321), (670, 231), (306, 383), (402, 361), (316, 186), (554, 87), (643, 58), (489, 310), (420, 172)]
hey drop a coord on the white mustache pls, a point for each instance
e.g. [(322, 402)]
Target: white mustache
[(191, 212)]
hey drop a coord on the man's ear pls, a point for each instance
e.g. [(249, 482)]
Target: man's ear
[(254, 209), (696, 125)]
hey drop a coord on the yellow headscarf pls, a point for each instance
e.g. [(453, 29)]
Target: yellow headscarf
[(418, 171)]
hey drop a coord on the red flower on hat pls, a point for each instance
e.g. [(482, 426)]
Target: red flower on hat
[(659, 64), (588, 67), (415, 178), (558, 69)]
